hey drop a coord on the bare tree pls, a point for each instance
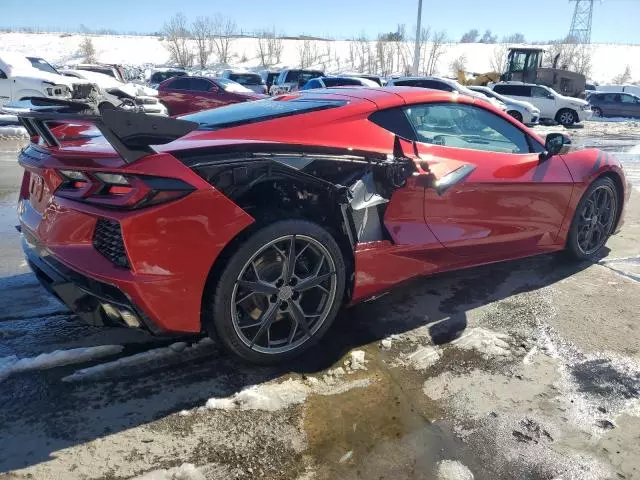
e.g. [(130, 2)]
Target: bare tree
[(470, 37), (262, 48), (499, 58), (437, 49), (223, 31), (307, 53), (275, 47), (569, 55), (363, 53), (87, 50), (514, 38), (176, 33), (488, 37), (624, 77), (385, 53), (459, 65), (202, 29)]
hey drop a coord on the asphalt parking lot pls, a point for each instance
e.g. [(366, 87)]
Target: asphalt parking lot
[(524, 370)]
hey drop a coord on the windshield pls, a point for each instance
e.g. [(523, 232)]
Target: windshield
[(159, 77), (301, 76), (246, 78), (42, 64), (231, 86), (258, 111)]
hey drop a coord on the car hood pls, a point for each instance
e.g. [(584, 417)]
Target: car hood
[(574, 101), (40, 76)]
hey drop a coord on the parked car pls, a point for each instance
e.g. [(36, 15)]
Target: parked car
[(128, 96), (160, 75), (614, 104), (626, 88), (290, 80), (445, 84), (524, 112), (374, 78), (269, 76), (19, 78), (257, 222), (112, 69), (252, 81), (189, 94), (553, 106), (328, 82)]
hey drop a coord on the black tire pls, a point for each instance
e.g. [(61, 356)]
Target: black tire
[(566, 117), (576, 247), (597, 112), (515, 114), (262, 248)]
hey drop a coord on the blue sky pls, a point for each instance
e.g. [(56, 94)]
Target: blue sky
[(614, 20)]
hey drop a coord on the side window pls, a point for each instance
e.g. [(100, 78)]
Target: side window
[(539, 92), (395, 121), (609, 97), (625, 98), (465, 126), (3, 75), (180, 83), (200, 85), (513, 90), (437, 85)]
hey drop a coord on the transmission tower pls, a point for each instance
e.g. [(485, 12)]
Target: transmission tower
[(580, 31)]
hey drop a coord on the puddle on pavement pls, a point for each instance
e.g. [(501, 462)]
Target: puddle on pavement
[(388, 430)]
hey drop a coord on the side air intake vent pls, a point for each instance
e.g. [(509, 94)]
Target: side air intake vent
[(107, 240)]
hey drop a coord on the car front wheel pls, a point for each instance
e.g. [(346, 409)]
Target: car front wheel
[(566, 117), (594, 220), (515, 114), (279, 292)]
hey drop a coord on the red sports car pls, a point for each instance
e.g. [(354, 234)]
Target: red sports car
[(258, 221), (186, 94)]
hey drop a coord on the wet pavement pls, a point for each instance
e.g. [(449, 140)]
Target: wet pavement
[(523, 370)]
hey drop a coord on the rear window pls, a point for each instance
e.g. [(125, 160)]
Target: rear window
[(257, 111), (336, 82), (246, 78), (159, 77), (301, 76)]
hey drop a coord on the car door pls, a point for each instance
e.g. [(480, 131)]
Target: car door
[(510, 203), (629, 105), (545, 101), (609, 104), (207, 94), (5, 88), (175, 95)]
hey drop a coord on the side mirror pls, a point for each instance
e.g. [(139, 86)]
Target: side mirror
[(555, 144)]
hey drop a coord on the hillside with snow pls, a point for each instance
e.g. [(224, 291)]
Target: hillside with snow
[(608, 61)]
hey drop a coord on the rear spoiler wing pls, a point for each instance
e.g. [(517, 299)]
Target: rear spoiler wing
[(131, 134)]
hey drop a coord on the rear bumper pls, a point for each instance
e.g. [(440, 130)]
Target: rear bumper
[(96, 303)]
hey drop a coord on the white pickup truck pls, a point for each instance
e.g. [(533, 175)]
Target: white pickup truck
[(22, 77)]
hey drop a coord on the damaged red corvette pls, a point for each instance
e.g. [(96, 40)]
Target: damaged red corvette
[(258, 221)]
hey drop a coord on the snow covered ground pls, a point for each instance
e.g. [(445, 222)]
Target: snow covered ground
[(608, 60)]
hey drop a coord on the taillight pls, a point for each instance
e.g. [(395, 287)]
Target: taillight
[(24, 187), (120, 191)]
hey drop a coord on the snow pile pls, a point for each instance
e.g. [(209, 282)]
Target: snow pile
[(186, 471), (453, 470), (13, 364), (423, 357), (278, 396), (11, 131), (486, 342), (145, 359), (269, 397), (607, 60), (356, 361)]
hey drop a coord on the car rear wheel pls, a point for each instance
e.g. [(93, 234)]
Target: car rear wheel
[(566, 117), (515, 114), (594, 220), (279, 292)]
